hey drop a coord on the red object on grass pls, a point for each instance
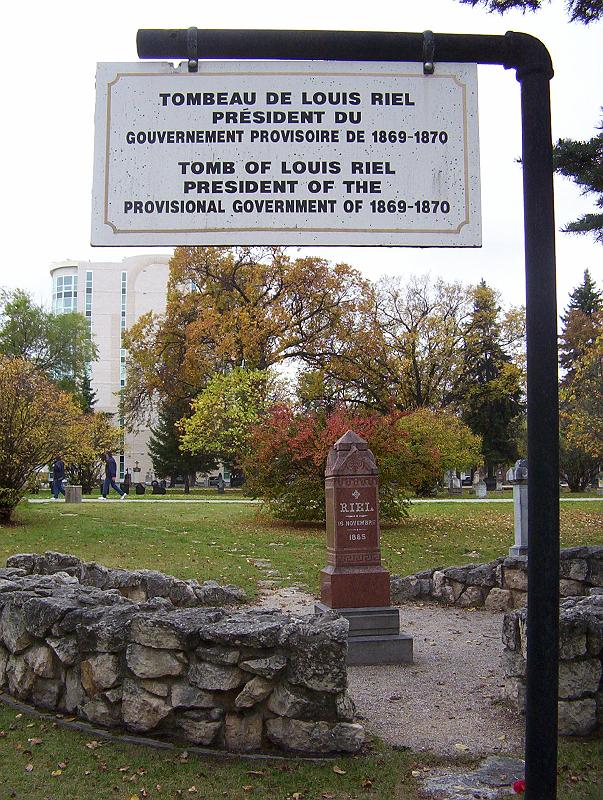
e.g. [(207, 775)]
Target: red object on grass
[(519, 787)]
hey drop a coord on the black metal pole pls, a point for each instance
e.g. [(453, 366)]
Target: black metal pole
[(534, 70), (543, 438)]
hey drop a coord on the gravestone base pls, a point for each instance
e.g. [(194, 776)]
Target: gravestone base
[(374, 635), (340, 586), (518, 551)]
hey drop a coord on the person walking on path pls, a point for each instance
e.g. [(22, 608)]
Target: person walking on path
[(58, 476), (110, 475)]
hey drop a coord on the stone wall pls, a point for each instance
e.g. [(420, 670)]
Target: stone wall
[(500, 584), (241, 680), (580, 666), (138, 585)]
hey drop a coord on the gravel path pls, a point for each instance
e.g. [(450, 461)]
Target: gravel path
[(448, 701)]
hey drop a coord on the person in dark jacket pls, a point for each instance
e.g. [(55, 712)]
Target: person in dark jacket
[(110, 475), (58, 476)]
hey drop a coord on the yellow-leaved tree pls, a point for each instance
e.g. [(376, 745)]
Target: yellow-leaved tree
[(36, 424)]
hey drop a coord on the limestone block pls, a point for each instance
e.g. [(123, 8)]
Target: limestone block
[(472, 597), (402, 589), (572, 641), (317, 653), (40, 659), (142, 711), (186, 696), (514, 664), (442, 590), (314, 737), (243, 733), (520, 599), (515, 579), (254, 691), (100, 712), (299, 703), (594, 639), (570, 588), (20, 677), (266, 667), (599, 702), (176, 630), (216, 677), (65, 648), (579, 678), (105, 630), (13, 631), (595, 571), (148, 662), (499, 600), (515, 691), (573, 569), (483, 575), (74, 691), (577, 717), (160, 688), (100, 672), (510, 631), (42, 613), (211, 594), (216, 654), (46, 693), (3, 662), (254, 628), (24, 561), (134, 593), (199, 727), (345, 707), (114, 695)]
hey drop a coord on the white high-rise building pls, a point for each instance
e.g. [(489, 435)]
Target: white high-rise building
[(112, 296)]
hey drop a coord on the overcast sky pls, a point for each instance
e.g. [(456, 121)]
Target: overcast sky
[(50, 51)]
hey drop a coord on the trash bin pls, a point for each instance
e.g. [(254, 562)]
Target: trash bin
[(73, 494)]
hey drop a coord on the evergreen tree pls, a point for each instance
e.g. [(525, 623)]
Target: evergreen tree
[(164, 450), (583, 163), (86, 394), (581, 390), (585, 11), (580, 324), (490, 399)]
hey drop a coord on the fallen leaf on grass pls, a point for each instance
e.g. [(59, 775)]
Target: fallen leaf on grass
[(338, 771), (56, 772), (35, 741), (29, 768), (93, 745), (367, 783), (255, 773), (462, 748)]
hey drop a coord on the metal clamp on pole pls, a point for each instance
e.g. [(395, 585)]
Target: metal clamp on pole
[(192, 49), (428, 53)]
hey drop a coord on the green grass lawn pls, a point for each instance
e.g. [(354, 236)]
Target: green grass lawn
[(220, 542)]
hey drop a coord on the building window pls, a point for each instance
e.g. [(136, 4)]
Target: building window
[(88, 303), (124, 298), (64, 294), (122, 367)]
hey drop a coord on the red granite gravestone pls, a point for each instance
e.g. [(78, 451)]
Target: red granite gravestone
[(354, 583), (353, 577)]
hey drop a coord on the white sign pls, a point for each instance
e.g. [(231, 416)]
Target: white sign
[(292, 153)]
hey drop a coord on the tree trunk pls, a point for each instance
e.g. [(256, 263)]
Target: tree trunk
[(187, 487)]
